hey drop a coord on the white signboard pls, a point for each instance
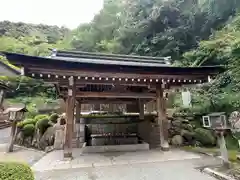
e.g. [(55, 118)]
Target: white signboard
[(186, 99)]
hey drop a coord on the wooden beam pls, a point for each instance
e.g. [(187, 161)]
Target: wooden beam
[(141, 109), (114, 95), (70, 118), (109, 101), (37, 71), (161, 116)]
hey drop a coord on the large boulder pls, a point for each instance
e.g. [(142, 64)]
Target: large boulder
[(19, 138), (205, 137), (48, 138), (188, 127), (36, 138), (177, 140), (188, 136), (177, 123), (234, 120), (27, 142)]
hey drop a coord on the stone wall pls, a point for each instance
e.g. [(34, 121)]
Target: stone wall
[(150, 133)]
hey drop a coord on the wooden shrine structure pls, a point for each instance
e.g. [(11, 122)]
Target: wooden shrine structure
[(83, 77)]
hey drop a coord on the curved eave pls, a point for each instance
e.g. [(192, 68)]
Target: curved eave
[(27, 61), (9, 69)]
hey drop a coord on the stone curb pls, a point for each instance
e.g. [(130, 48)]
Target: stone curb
[(31, 149), (216, 174)]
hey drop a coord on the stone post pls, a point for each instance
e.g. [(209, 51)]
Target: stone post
[(13, 135), (223, 150), (59, 136)]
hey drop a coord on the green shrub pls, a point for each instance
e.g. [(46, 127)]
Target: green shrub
[(205, 137), (42, 125), (41, 116), (231, 142), (25, 122), (15, 171), (28, 130), (53, 118)]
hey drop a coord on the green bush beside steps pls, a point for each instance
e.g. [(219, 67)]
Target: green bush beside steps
[(15, 171)]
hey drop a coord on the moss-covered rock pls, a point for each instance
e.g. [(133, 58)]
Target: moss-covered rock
[(25, 122), (15, 171), (41, 116), (177, 140), (42, 125), (28, 130), (54, 117), (205, 137)]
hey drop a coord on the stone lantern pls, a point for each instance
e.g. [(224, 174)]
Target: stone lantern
[(217, 122), (15, 114)]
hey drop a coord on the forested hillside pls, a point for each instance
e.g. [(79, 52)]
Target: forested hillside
[(192, 32), (32, 39)]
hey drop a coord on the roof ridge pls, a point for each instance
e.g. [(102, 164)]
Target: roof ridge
[(117, 57)]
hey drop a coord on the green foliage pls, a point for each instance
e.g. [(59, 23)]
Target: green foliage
[(25, 122), (205, 137), (42, 124), (157, 27), (231, 142), (28, 130), (41, 116), (53, 118), (192, 32), (32, 40), (15, 171)]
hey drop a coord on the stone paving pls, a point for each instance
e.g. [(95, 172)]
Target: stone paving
[(141, 165), (169, 170), (19, 154), (54, 160), (147, 165)]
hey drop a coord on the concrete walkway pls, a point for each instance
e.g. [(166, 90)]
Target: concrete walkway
[(147, 165)]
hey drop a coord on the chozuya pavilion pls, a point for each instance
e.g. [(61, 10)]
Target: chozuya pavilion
[(89, 78)]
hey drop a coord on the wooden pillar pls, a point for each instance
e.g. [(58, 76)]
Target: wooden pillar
[(162, 117), (141, 109), (70, 103)]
